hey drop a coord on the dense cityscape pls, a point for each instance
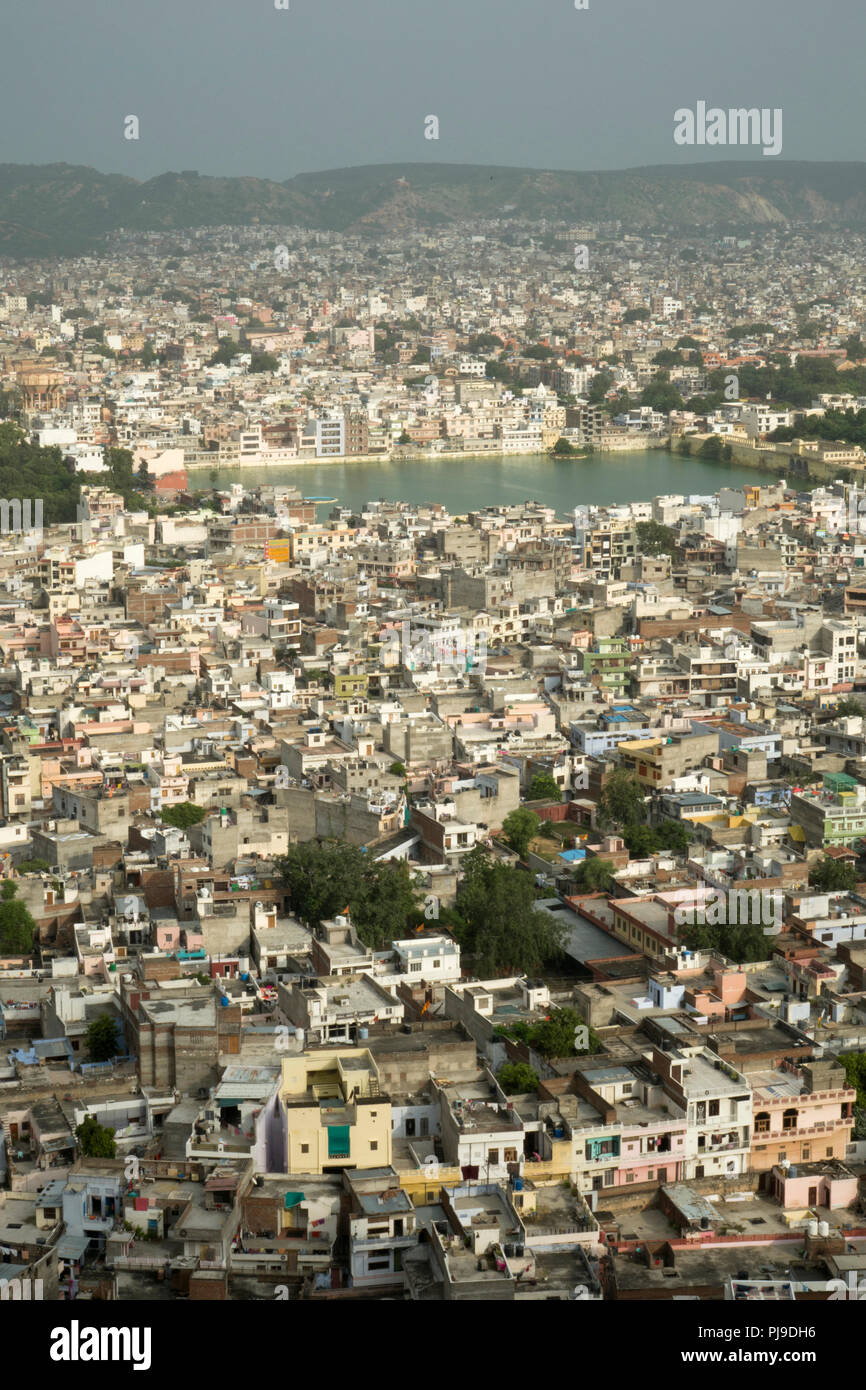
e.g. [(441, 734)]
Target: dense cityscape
[(421, 903), (432, 681)]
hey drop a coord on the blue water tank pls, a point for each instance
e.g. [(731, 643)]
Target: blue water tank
[(518, 1184), (363, 1032), (245, 976), (224, 1001)]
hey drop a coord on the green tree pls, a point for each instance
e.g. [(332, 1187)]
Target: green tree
[(96, 1140), (593, 875), (661, 394), (849, 706), (673, 836), (855, 1074), (227, 349), (183, 815), (16, 924), (517, 1078), (557, 1035), (263, 362), (519, 828), (563, 448), (544, 787), (101, 1038), (655, 539), (743, 942), (323, 878), (622, 800), (833, 876), (640, 841), (386, 905), (504, 932)]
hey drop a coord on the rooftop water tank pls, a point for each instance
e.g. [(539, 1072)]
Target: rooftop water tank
[(823, 1228)]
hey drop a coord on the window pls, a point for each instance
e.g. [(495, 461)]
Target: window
[(410, 1129), (379, 1264), (374, 1144), (415, 967), (492, 1155), (713, 1108), (650, 1174), (830, 1153), (436, 964), (510, 1156), (305, 1148), (629, 1177)]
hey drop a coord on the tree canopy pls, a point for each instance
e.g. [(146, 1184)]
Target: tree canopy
[(655, 539), (96, 1140), (622, 800), (16, 924), (519, 828), (544, 787), (504, 932), (517, 1078), (101, 1038), (833, 875), (326, 878)]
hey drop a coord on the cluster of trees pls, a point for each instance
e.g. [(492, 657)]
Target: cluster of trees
[(556, 1035), (833, 876), (326, 877), (40, 474), (743, 941), (121, 478), (849, 425), (497, 922), (16, 924), (670, 836)]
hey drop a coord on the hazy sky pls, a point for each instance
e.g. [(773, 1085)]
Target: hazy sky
[(239, 87)]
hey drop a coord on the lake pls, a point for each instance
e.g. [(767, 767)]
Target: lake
[(463, 484)]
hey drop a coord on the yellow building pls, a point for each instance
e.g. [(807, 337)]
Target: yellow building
[(336, 1116)]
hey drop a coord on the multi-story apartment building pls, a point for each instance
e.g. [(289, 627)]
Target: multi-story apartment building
[(333, 1112), (801, 1114)]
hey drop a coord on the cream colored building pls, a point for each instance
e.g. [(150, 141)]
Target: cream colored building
[(336, 1116)]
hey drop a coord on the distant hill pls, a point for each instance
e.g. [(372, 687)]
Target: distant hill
[(63, 208)]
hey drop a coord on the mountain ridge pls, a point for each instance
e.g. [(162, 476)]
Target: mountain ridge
[(56, 209)]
